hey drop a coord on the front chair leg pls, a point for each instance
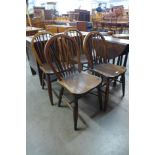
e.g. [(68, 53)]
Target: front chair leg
[(123, 84), (99, 96), (106, 95), (60, 96), (50, 89), (75, 112)]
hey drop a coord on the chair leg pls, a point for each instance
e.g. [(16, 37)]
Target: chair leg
[(106, 95), (43, 77), (75, 112), (50, 89), (60, 96), (100, 96), (40, 74), (115, 83), (82, 66), (123, 84)]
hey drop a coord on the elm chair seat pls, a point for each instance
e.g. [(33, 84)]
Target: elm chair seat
[(109, 70), (80, 83)]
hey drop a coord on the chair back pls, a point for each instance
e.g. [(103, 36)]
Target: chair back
[(38, 43), (59, 54), (77, 36), (95, 48), (100, 51)]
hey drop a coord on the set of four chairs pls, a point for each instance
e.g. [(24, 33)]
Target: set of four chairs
[(67, 56)]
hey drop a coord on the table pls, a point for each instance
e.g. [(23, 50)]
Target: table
[(122, 45), (121, 36), (32, 30)]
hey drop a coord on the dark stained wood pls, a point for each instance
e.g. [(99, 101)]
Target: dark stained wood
[(75, 112), (123, 84), (60, 96), (38, 43), (100, 97), (46, 69), (80, 83), (115, 43), (59, 53), (50, 88), (78, 37), (107, 60), (109, 70)]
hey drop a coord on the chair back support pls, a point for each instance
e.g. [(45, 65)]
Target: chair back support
[(59, 54), (77, 36), (95, 48), (99, 51), (38, 43)]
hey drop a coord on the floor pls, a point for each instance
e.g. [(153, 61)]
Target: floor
[(50, 128)]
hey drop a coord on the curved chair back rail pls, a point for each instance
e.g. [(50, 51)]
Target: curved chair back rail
[(59, 54), (38, 43), (99, 51), (94, 46), (77, 36)]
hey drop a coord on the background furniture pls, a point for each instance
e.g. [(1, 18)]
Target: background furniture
[(57, 28), (32, 30)]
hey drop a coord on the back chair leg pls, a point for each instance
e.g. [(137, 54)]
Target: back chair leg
[(60, 96), (40, 74), (123, 84), (115, 83), (50, 89), (100, 96), (106, 95), (43, 77), (75, 112)]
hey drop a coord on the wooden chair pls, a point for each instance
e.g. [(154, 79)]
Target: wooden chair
[(59, 53), (105, 60), (38, 43), (77, 36)]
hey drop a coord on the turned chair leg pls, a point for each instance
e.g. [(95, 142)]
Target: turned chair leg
[(123, 84), (50, 89), (60, 96), (100, 96), (114, 83), (43, 77), (106, 95), (75, 112)]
